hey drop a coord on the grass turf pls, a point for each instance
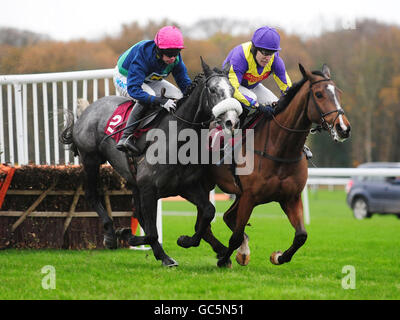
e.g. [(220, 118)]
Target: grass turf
[(335, 240)]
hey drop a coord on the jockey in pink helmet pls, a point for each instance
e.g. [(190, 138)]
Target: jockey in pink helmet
[(169, 37), (140, 75)]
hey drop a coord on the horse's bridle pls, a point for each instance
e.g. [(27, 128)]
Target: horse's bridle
[(324, 124), (203, 124)]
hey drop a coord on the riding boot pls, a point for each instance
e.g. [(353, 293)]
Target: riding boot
[(127, 141), (307, 152)]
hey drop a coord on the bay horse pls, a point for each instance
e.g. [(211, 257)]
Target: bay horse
[(209, 97), (280, 169)]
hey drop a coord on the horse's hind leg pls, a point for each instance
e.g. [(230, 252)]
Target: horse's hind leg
[(294, 210), (126, 233), (148, 220), (91, 166)]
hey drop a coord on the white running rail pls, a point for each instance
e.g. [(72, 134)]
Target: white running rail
[(31, 109)]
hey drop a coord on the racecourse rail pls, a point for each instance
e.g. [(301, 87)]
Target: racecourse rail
[(29, 107)]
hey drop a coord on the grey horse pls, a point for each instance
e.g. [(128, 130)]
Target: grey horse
[(209, 98)]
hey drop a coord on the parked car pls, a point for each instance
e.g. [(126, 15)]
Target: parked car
[(367, 195)]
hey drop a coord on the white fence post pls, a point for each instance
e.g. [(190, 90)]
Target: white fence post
[(306, 205), (19, 122), (2, 155)]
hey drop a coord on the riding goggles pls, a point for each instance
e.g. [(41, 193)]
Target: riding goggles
[(170, 52), (266, 52)]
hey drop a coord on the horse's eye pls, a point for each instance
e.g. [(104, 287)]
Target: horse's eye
[(319, 95), (213, 91)]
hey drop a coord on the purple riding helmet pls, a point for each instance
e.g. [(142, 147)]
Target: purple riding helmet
[(266, 38)]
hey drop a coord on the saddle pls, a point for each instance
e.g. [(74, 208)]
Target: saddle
[(117, 122)]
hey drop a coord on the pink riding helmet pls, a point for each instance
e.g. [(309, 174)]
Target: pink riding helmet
[(169, 37)]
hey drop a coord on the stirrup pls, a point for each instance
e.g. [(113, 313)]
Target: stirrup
[(121, 145), (127, 144)]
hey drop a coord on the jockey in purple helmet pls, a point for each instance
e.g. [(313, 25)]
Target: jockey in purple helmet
[(250, 63), (140, 74)]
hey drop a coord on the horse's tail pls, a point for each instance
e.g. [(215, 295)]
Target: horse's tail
[(66, 134), (82, 104)]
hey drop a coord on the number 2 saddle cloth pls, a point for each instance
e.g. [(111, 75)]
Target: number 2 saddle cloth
[(118, 121)]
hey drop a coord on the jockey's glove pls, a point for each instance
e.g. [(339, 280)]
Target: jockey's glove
[(167, 104), (266, 109)]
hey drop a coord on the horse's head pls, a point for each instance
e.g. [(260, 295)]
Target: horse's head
[(324, 106), (225, 108)]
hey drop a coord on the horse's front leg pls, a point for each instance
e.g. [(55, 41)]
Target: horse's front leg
[(205, 214), (148, 220), (294, 210), (244, 208), (243, 252)]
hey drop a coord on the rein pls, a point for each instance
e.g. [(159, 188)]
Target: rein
[(323, 125), (203, 124)]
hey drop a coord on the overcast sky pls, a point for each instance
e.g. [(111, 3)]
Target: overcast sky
[(90, 19)]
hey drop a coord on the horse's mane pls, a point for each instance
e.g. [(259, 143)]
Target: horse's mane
[(287, 97), (198, 79)]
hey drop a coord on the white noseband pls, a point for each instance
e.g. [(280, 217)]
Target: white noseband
[(227, 105)]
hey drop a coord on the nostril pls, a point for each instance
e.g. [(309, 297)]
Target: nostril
[(341, 132), (228, 124), (339, 128)]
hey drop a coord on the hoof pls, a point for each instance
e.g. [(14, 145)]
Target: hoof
[(185, 242), (224, 264), (242, 259), (110, 242), (134, 241), (169, 262), (274, 258), (124, 233)]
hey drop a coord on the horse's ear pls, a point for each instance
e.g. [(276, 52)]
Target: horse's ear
[(303, 71), (326, 72), (306, 74), (226, 68), (206, 68)]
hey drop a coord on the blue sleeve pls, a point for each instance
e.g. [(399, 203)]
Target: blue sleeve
[(180, 75), (136, 75)]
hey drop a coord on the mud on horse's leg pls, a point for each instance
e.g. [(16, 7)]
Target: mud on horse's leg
[(294, 211)]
